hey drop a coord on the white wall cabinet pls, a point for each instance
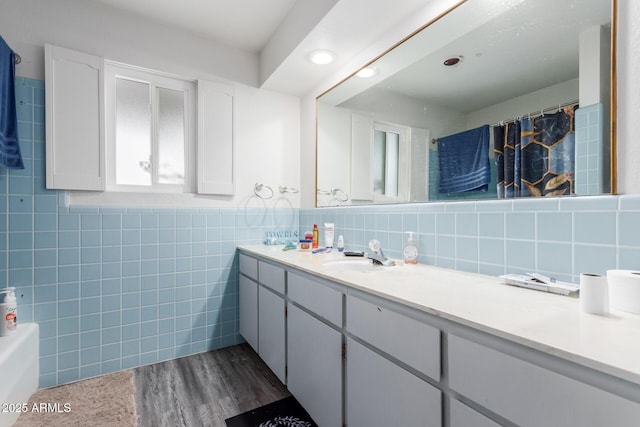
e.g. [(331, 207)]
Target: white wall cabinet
[(380, 393), (215, 153), (314, 367), (75, 122)]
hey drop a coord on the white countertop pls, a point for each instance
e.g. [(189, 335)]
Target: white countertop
[(547, 322)]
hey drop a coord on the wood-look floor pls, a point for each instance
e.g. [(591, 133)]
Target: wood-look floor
[(204, 389)]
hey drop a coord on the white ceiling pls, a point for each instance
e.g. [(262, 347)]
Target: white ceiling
[(243, 24), (281, 33), (510, 48), (517, 52)]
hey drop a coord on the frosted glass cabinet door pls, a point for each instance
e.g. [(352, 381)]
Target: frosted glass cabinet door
[(314, 374), (271, 328), (380, 393), (249, 311)]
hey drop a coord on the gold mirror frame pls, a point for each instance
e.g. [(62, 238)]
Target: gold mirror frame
[(613, 89)]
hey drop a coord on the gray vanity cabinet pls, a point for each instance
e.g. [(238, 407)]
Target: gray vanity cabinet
[(248, 289), (409, 340), (381, 393), (249, 311), (271, 318), (407, 367), (271, 339), (386, 357), (460, 415), (314, 348), (314, 367), (262, 311), (528, 394)]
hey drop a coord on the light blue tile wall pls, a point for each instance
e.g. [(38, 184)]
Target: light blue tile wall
[(589, 153), (114, 288), (558, 237), (117, 287)]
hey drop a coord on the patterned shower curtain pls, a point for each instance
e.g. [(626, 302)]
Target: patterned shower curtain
[(535, 157)]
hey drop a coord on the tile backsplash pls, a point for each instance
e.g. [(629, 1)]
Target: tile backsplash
[(590, 157), (117, 287), (560, 237)]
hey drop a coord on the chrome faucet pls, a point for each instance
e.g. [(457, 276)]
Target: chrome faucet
[(377, 256)]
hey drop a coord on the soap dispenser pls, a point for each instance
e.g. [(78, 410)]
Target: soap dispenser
[(410, 251)]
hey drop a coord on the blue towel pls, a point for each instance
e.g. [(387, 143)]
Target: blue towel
[(464, 161), (10, 156)]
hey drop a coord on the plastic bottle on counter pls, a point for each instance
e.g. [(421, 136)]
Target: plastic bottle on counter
[(410, 251), (9, 312), (316, 237)]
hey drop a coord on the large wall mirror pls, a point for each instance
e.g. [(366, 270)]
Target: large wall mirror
[(495, 99)]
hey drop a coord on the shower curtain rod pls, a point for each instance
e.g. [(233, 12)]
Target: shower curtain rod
[(534, 114), (17, 58), (538, 113)]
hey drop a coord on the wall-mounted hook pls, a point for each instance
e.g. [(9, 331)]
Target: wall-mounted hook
[(339, 194), (284, 189), (258, 191)]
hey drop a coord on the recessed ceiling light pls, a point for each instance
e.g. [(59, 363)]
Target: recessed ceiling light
[(321, 57), (366, 72)]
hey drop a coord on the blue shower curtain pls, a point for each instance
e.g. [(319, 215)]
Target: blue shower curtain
[(535, 156)]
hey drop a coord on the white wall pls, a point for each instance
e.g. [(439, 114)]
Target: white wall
[(266, 124), (525, 104), (91, 27)]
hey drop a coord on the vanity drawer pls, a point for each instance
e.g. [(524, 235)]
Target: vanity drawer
[(408, 340), (320, 299), (249, 266), (528, 394), (271, 276), (463, 416)]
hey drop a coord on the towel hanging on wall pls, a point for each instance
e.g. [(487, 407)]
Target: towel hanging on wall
[(10, 156), (464, 161)]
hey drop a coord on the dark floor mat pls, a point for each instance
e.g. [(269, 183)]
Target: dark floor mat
[(282, 413)]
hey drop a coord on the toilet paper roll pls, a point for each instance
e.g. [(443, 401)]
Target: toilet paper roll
[(594, 294), (624, 290)]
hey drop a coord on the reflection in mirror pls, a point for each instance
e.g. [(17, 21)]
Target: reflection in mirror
[(494, 99)]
